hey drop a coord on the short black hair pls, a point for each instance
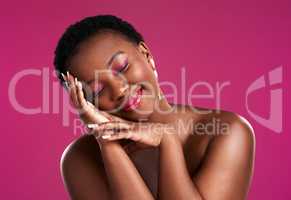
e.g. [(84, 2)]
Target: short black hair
[(87, 27)]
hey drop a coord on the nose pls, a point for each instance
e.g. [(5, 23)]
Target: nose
[(119, 89)]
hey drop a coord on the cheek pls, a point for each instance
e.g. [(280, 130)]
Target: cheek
[(141, 72)]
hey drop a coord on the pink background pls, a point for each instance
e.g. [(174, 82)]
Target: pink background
[(236, 41)]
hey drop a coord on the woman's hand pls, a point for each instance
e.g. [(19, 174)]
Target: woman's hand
[(87, 111), (142, 134)]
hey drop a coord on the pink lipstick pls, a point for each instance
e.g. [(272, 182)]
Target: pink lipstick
[(133, 100)]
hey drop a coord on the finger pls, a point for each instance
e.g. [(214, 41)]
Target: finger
[(114, 125), (75, 94), (106, 134), (64, 77), (102, 135), (107, 128), (80, 95), (104, 116), (116, 129), (108, 116), (66, 82), (69, 79), (72, 89), (115, 135), (114, 117)]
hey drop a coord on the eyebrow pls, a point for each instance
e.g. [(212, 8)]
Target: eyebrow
[(108, 63)]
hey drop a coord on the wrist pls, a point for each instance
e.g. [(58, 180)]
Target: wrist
[(103, 145), (169, 139)]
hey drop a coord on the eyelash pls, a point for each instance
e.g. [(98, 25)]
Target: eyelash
[(123, 68)]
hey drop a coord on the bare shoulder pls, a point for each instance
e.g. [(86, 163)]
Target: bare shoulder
[(81, 164), (79, 150), (216, 126), (237, 130), (222, 125), (229, 157)]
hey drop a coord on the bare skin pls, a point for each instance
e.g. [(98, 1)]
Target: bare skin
[(190, 163)]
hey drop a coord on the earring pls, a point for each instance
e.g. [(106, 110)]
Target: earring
[(160, 96), (156, 73), (154, 67)]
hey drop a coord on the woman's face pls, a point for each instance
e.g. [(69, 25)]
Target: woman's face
[(117, 75)]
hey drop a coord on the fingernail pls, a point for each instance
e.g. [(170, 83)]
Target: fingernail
[(106, 136), (92, 125), (68, 74), (63, 76), (76, 80)]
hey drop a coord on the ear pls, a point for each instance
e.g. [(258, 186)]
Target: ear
[(144, 49)]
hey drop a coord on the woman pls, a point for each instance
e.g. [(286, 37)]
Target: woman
[(141, 146)]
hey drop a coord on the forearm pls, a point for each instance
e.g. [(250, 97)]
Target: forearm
[(174, 180), (124, 179)]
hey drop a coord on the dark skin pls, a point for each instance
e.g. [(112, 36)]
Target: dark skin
[(187, 164)]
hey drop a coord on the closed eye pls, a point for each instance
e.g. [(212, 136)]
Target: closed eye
[(123, 68)]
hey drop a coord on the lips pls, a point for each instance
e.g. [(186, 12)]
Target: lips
[(133, 100)]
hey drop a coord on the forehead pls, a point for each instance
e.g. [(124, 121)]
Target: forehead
[(95, 52)]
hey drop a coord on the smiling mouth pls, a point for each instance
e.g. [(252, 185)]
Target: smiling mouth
[(133, 101)]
